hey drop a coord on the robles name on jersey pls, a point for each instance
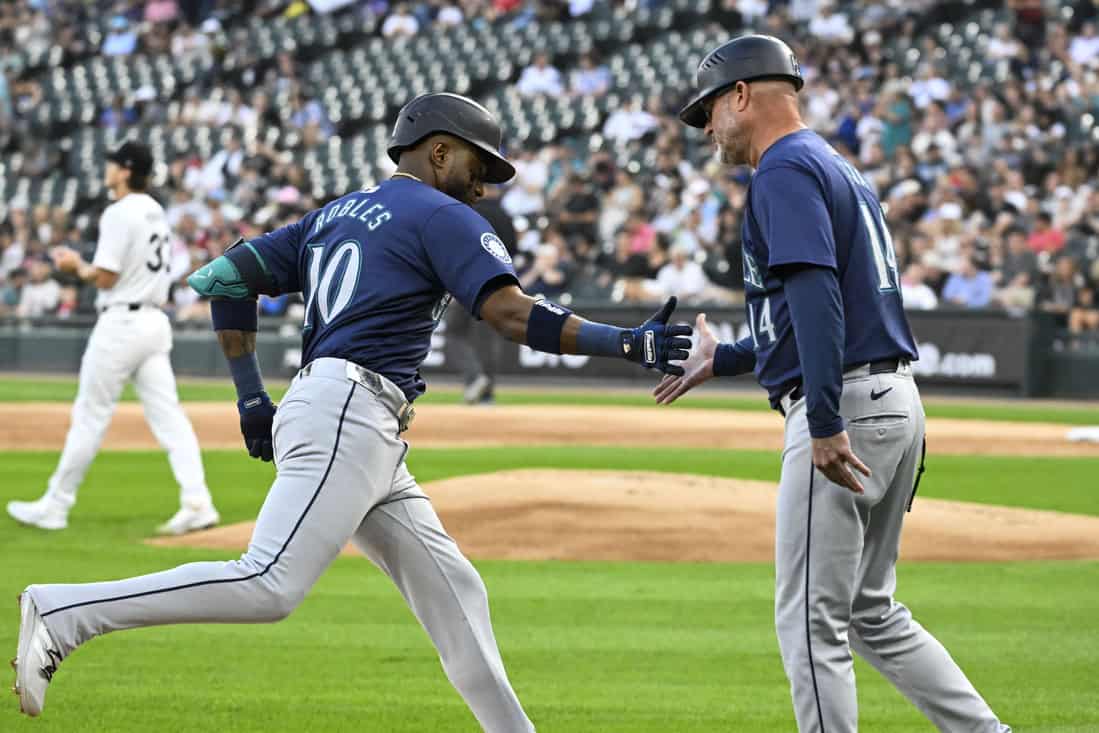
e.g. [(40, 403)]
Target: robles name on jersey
[(356, 206)]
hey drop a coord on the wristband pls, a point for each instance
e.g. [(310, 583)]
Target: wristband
[(234, 315), (599, 339), (246, 376), (544, 326)]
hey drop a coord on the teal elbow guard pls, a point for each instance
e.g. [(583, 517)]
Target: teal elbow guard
[(221, 279)]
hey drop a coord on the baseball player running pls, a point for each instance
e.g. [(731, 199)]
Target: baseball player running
[(131, 340), (830, 343), (375, 267)]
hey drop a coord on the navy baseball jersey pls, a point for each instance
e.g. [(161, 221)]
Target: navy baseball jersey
[(808, 206), (377, 268)]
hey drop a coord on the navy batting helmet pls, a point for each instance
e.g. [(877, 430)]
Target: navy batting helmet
[(455, 115), (747, 58)]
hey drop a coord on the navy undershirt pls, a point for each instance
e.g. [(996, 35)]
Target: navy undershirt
[(816, 310)]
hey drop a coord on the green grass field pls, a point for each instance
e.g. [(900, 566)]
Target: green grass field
[(615, 647)]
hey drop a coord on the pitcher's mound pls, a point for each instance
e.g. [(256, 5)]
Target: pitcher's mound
[(618, 515)]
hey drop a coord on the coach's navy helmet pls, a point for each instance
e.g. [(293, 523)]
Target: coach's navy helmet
[(455, 115), (747, 58)]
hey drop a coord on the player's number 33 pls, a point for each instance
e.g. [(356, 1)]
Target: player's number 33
[(159, 260)]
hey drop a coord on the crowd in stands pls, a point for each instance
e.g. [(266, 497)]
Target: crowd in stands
[(990, 184)]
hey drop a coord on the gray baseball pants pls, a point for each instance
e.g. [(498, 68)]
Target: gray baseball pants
[(341, 476), (835, 565)]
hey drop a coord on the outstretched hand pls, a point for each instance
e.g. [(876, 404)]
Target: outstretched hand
[(654, 343), (698, 367)]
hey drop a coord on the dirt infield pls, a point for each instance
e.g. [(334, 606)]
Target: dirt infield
[(43, 425), (616, 515)]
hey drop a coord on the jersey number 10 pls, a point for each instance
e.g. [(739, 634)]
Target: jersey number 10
[(881, 244), (331, 290)]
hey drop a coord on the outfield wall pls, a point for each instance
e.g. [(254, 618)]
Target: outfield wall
[(980, 352)]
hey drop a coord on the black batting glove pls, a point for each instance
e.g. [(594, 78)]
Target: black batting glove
[(257, 412), (654, 343)]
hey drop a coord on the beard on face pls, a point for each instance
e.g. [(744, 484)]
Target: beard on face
[(457, 182), (457, 186), (732, 147), (452, 188)]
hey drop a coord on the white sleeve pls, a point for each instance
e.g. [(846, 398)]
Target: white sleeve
[(114, 237)]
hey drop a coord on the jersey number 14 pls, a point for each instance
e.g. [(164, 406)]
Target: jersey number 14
[(881, 245), (766, 325)]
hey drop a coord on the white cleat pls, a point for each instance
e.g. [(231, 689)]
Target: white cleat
[(36, 659), (46, 513), (190, 519), (477, 389)]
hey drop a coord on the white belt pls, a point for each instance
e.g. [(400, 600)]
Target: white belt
[(387, 393)]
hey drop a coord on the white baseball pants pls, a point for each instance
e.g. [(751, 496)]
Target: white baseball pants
[(127, 345)]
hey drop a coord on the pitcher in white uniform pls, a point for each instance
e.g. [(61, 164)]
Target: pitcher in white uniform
[(131, 340)]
